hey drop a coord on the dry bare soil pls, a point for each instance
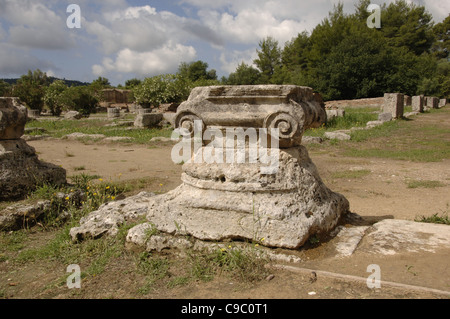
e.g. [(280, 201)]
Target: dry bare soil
[(377, 188)]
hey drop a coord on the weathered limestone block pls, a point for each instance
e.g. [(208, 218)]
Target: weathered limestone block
[(442, 102), (33, 114), (418, 103), (340, 136), (432, 102), (13, 117), (407, 100), (331, 114), (73, 115), (292, 109), (21, 170), (393, 103), (148, 120), (227, 201), (385, 117), (113, 113), (110, 216)]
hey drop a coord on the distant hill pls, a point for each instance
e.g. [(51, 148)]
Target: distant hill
[(52, 79)]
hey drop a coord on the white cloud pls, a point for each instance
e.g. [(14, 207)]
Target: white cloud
[(33, 25), (159, 61)]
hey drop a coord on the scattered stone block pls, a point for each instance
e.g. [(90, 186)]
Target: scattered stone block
[(77, 135), (148, 120), (407, 100), (312, 140), (340, 136), (394, 104), (73, 115), (432, 102), (33, 114), (409, 114), (385, 117), (373, 124), (442, 102), (113, 113), (392, 236), (13, 118), (418, 103), (331, 114), (20, 168)]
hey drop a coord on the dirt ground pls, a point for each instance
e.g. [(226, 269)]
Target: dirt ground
[(381, 194)]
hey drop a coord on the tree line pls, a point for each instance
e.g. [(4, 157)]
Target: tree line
[(342, 58)]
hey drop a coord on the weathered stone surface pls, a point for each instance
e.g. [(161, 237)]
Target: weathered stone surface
[(312, 140), (331, 114), (394, 104), (226, 201), (407, 100), (13, 117), (409, 114), (432, 102), (148, 120), (373, 124), (340, 136), (113, 113), (418, 103), (290, 108), (442, 102), (73, 115), (19, 216), (110, 216), (77, 135), (20, 170), (33, 114), (118, 139), (385, 117), (392, 236)]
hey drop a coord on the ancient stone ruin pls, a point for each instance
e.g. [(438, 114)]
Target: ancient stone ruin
[(20, 168), (394, 104), (277, 206), (418, 103)]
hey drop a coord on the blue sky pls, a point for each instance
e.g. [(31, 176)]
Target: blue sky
[(123, 39)]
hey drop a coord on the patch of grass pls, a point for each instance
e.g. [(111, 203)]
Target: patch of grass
[(79, 168), (424, 184), (351, 174), (61, 128), (435, 219)]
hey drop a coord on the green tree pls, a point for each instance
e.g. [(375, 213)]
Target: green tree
[(407, 25), (83, 99), (196, 71), (244, 75), (441, 46), (269, 58), (54, 98), (167, 88), (5, 88), (129, 84), (30, 88), (101, 82)]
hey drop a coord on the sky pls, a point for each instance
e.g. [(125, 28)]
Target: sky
[(124, 39)]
